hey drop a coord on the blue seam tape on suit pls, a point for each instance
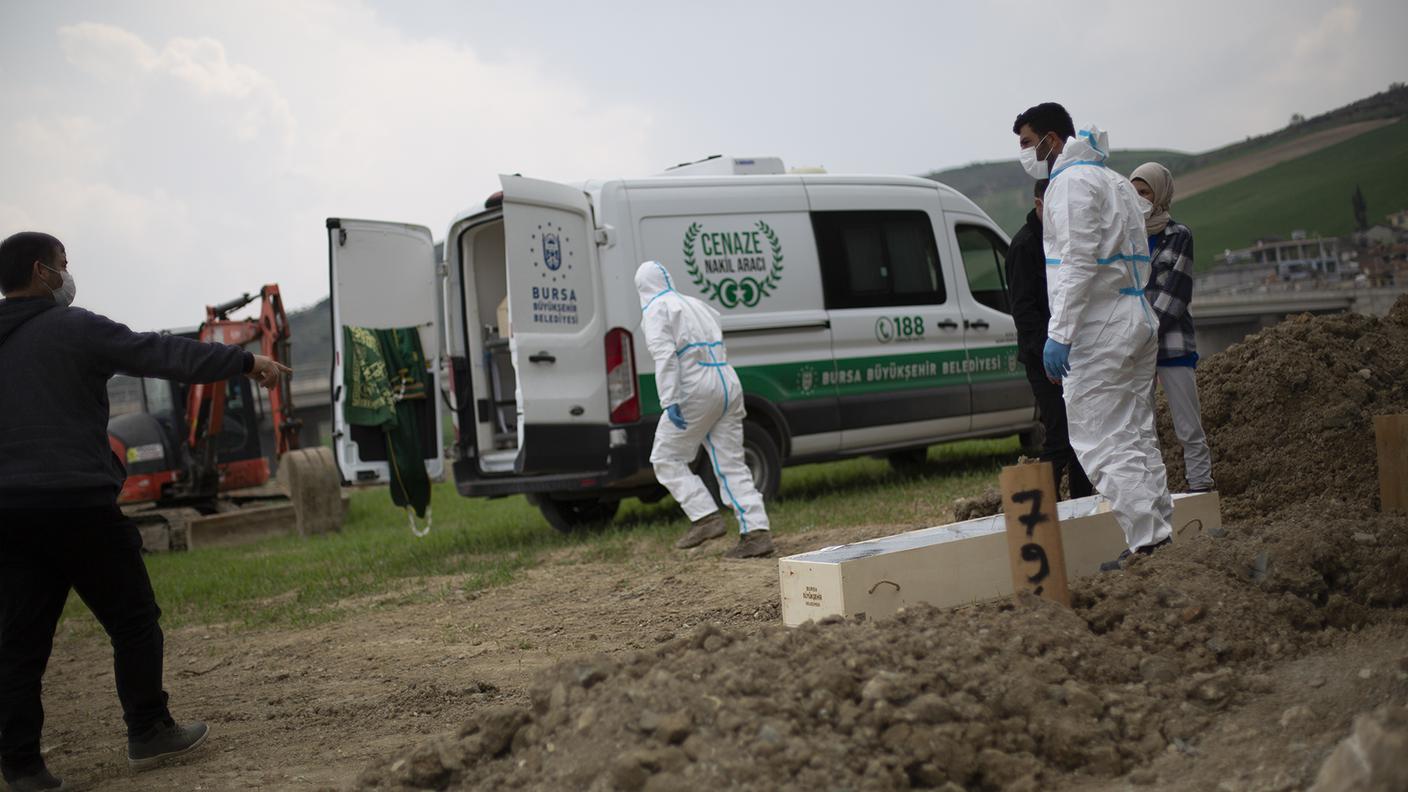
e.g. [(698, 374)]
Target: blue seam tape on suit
[(723, 482)]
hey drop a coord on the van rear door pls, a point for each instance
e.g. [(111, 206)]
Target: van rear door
[(558, 338), (384, 275)]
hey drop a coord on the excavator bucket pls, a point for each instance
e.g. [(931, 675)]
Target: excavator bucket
[(314, 486)]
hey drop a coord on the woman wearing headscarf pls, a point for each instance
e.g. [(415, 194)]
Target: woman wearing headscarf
[(1169, 291)]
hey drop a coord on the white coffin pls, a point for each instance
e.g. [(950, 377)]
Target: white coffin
[(957, 564)]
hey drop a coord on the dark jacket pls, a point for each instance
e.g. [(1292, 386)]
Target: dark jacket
[(1026, 284), (55, 363), (1170, 290)]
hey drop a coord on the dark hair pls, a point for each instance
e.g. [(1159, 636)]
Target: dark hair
[(1046, 117), (18, 254), (1039, 189)]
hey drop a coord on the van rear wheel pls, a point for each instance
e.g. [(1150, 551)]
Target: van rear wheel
[(573, 515), (761, 456)]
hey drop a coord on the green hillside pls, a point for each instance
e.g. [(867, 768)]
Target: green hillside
[(1310, 193)]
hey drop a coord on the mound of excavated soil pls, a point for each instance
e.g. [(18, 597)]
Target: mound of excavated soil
[(986, 698), (1289, 411), (1002, 697)]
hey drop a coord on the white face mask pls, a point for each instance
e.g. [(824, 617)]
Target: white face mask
[(1035, 168), (67, 291), (1145, 207)]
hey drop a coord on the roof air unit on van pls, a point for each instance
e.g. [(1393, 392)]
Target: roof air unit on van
[(719, 165)]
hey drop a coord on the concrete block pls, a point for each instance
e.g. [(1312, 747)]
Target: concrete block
[(958, 564)]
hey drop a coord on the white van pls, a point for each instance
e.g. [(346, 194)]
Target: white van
[(864, 315)]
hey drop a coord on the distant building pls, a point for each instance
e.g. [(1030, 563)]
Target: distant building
[(1296, 258), (1385, 265), (1377, 235), (1398, 219)]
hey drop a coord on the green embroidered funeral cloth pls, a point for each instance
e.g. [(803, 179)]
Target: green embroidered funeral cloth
[(384, 378)]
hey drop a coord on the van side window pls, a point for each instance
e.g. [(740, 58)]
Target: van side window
[(984, 260), (878, 259)]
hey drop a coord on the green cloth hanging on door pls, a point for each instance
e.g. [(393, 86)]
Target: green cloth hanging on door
[(385, 377)]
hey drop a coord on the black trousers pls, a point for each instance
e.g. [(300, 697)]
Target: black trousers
[(1051, 407), (98, 553)]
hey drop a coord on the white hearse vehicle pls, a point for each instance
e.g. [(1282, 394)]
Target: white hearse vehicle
[(865, 315)]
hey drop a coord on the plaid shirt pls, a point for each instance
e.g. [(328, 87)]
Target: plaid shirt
[(1170, 290)]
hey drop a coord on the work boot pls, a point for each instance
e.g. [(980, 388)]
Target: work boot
[(1118, 563), (702, 530), (164, 741), (40, 780), (754, 544)]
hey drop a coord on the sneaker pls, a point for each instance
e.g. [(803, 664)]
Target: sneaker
[(39, 781), (1201, 490), (702, 530), (754, 544), (165, 741), (1118, 563)]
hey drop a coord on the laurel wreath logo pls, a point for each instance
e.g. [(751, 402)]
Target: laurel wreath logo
[(732, 292)]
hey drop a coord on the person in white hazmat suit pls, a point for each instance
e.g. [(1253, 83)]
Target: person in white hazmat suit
[(1102, 339), (703, 404)]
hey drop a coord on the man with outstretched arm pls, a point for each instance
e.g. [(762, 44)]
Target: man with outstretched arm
[(60, 527)]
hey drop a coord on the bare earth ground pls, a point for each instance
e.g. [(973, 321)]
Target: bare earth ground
[(1217, 175), (309, 708)]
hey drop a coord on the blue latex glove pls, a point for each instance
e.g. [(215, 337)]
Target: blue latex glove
[(1056, 359), (676, 417)]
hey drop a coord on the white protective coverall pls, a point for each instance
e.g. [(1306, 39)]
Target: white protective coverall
[(692, 371), (1097, 263)]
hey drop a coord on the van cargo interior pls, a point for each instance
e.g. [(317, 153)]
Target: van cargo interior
[(486, 281)]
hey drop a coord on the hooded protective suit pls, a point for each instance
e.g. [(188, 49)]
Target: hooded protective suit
[(1098, 261), (693, 374)]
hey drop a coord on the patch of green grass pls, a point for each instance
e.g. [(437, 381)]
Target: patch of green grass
[(1311, 193), (292, 581)]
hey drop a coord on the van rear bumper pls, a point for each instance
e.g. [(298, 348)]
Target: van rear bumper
[(623, 462)]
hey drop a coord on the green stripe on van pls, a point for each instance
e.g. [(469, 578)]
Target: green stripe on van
[(782, 382)]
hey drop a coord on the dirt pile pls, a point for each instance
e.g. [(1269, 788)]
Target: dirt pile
[(996, 697), (1372, 757), (1289, 411), (987, 698), (985, 504)]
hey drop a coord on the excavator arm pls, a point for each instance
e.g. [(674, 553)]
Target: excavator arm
[(205, 402)]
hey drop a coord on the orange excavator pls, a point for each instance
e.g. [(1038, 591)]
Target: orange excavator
[(196, 472)]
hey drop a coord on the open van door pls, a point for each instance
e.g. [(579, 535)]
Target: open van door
[(383, 276), (558, 342)]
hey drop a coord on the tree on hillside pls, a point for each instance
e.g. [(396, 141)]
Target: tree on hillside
[(1361, 210), (1297, 119)]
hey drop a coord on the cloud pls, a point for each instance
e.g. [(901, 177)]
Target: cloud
[(1330, 35), (203, 165), (108, 52)]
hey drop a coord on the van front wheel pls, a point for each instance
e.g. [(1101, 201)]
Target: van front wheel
[(572, 515)]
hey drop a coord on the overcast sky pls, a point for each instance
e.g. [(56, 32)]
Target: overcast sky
[(189, 151)]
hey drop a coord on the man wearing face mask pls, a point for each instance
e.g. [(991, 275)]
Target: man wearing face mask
[(1102, 338), (60, 527), (1170, 291)]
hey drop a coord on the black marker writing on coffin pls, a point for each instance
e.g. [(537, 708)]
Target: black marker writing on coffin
[(1032, 551), (1034, 517)]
